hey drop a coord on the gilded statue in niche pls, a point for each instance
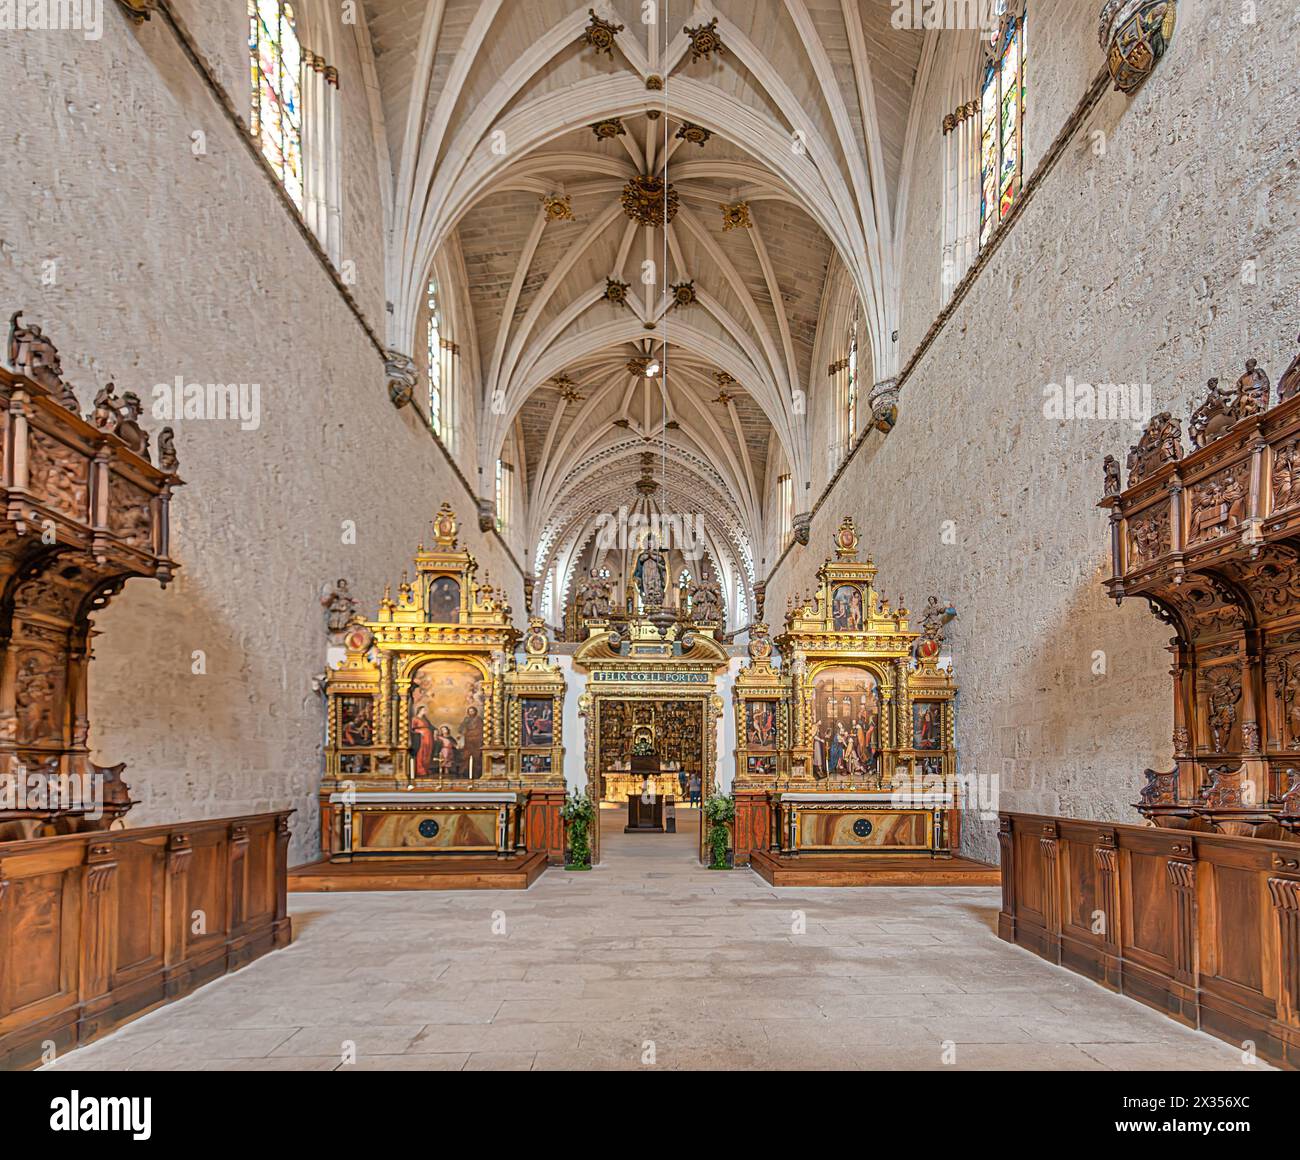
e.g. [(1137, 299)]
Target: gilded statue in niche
[(650, 572)]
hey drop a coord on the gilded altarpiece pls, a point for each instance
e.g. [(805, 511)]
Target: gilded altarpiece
[(438, 741), (650, 677), (848, 746), (1210, 540)]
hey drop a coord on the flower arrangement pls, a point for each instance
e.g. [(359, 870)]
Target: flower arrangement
[(719, 812), (578, 811)]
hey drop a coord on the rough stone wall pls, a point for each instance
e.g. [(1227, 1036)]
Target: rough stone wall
[(168, 264), (1125, 267)]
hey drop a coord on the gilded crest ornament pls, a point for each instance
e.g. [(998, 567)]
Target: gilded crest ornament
[(558, 208), (654, 82), (599, 34), (735, 215), (846, 540), (445, 527), (695, 134), (607, 130), (705, 40), (650, 201), (884, 405), (1135, 35)]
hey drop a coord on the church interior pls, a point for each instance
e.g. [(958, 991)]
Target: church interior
[(685, 535)]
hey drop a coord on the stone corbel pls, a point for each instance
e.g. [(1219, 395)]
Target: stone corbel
[(487, 515), (803, 527), (883, 401), (402, 376)]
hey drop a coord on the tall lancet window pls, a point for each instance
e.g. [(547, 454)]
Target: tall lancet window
[(1002, 108), (277, 90), (434, 347)]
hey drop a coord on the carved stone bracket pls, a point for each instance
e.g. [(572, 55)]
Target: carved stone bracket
[(1134, 35), (402, 375), (883, 401)]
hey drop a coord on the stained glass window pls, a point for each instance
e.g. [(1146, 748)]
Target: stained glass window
[(853, 377), (1002, 106), (434, 347), (276, 59)]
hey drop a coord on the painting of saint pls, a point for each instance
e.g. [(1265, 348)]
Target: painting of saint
[(846, 723), (761, 766), (444, 601), (535, 763), (446, 720), (760, 730), (846, 608), (355, 725), (925, 725), (536, 721)]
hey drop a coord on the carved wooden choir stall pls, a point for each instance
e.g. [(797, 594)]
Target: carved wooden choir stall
[(440, 745), (1197, 914), (96, 927), (1211, 540), (847, 748)]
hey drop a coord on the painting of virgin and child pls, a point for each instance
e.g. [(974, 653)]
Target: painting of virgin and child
[(846, 723), (446, 715)]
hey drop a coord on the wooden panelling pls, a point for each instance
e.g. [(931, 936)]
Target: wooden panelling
[(97, 928), (1204, 927)]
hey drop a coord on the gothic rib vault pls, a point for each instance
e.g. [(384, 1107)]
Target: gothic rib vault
[(513, 131)]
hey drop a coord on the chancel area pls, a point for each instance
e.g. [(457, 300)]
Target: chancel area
[(769, 529)]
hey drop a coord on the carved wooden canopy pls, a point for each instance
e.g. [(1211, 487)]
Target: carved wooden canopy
[(84, 510)]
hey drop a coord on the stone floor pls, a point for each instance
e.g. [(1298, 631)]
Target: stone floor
[(651, 961)]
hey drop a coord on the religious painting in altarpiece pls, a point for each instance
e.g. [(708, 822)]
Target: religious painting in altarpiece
[(846, 745), (439, 740)]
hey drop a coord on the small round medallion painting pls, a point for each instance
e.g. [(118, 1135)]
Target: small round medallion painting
[(862, 827), (428, 828)]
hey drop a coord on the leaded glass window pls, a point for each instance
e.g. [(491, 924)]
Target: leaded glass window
[(276, 57), (1002, 107)]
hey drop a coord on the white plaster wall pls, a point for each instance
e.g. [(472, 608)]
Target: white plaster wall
[(1126, 267), (166, 263)]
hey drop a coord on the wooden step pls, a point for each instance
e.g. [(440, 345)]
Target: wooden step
[(871, 870), (447, 873)]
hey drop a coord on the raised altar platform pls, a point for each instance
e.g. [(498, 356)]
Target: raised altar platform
[(450, 872), (870, 870)]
